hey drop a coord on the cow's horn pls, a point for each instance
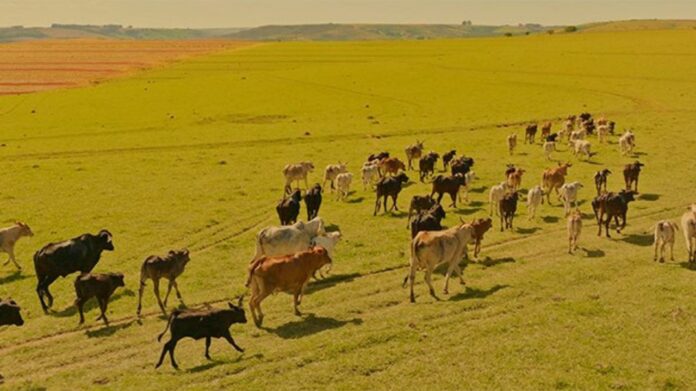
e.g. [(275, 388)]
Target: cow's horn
[(239, 302)]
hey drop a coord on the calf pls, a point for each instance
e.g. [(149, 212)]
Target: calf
[(297, 172), (199, 324), (389, 187), (574, 229), (631, 173), (343, 182), (428, 220), (369, 173), (426, 165), (549, 147), (392, 165), (553, 179), (514, 178), (313, 201), (508, 207), (665, 232), (614, 206), (496, 194), (480, 226), (627, 142), (331, 172), (79, 254), (10, 313), (169, 267), (289, 273), (512, 143), (419, 204), (448, 185), (535, 197), (414, 151), (447, 158), (99, 285), (569, 194), (289, 208), (688, 222), (9, 236), (600, 180), (530, 133)]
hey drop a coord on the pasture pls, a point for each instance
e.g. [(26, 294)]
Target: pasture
[(189, 155)]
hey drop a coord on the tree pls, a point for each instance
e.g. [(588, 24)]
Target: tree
[(571, 29)]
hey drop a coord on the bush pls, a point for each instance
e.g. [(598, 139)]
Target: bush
[(571, 29), (508, 34), (550, 32)]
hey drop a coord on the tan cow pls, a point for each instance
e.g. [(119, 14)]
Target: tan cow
[(414, 152), (574, 229), (688, 222), (665, 232), (297, 172), (553, 179), (514, 178), (392, 165), (512, 143), (432, 248), (331, 172), (9, 236)]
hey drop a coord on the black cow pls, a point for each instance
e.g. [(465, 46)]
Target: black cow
[(289, 208), (600, 180), (419, 204), (389, 186), (428, 220), (9, 313), (614, 205), (508, 207), (99, 285), (448, 185), (378, 156), (79, 254), (447, 158), (198, 324), (530, 133), (426, 165), (462, 165), (313, 201), (552, 137)]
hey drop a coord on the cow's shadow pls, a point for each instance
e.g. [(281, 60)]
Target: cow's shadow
[(649, 197), (215, 362), (526, 231), (108, 331), (476, 293), (90, 305), (596, 253), (15, 276), (489, 262), (356, 200), (465, 212), (551, 219), (643, 240), (688, 265), (311, 324), (328, 282)]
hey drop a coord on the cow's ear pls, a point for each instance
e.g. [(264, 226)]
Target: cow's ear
[(185, 251)]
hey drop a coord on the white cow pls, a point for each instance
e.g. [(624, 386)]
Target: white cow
[(574, 229), (577, 135), (331, 172), (496, 194), (369, 173), (688, 222), (665, 232), (581, 147), (469, 178), (569, 194), (343, 182), (328, 241), (603, 133), (535, 197), (549, 146), (627, 142), (288, 239)]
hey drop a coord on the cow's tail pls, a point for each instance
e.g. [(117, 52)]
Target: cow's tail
[(252, 268), (169, 322)]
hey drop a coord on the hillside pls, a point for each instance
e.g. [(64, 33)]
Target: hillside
[(637, 25), (67, 31)]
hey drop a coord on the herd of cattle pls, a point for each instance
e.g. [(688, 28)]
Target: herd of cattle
[(289, 255)]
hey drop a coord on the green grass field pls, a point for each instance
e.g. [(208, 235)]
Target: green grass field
[(190, 155)]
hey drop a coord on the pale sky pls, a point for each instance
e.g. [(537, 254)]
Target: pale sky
[(248, 13)]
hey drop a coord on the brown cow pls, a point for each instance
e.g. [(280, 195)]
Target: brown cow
[(546, 130), (414, 152), (481, 226), (631, 173), (99, 285), (9, 236), (554, 178), (154, 268), (391, 165), (514, 178), (289, 273), (530, 133)]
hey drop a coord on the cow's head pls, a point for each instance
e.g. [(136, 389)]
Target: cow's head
[(481, 226), (24, 229), (105, 239), (236, 312), (296, 195), (117, 279), (402, 177), (9, 313), (438, 211), (181, 256), (309, 166), (627, 195)]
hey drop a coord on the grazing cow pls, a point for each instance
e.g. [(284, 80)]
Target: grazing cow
[(313, 201), (603, 133), (429, 220), (600, 180), (553, 179), (426, 165), (79, 254), (289, 239), (418, 205), (289, 273), (480, 226), (447, 158), (392, 165), (574, 229), (155, 267), (546, 130), (369, 173), (512, 143), (530, 133), (289, 208), (389, 187), (10, 313), (432, 248), (631, 173), (627, 142), (199, 324), (461, 165), (665, 232), (569, 194), (414, 151), (514, 178), (535, 197), (378, 156), (327, 241), (343, 182), (508, 207), (331, 172), (9, 236), (549, 146), (614, 206), (688, 222), (99, 285), (297, 172), (448, 185), (496, 194)]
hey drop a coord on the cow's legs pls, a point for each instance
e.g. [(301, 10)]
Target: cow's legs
[(606, 225), (663, 248), (459, 273), (296, 303), (228, 338), (169, 290), (453, 196), (157, 294), (207, 348), (178, 294), (450, 268), (103, 304), (429, 281), (10, 252), (671, 250), (141, 289), (168, 347), (655, 245), (42, 290), (79, 303), (411, 278), (376, 206), (395, 198)]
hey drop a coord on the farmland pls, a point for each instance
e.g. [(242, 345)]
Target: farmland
[(189, 155)]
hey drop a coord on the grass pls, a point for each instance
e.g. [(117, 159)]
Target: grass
[(143, 157)]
